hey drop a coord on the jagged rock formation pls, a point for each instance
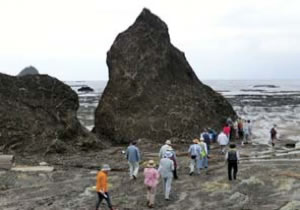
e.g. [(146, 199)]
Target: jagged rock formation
[(30, 70), (38, 116), (152, 90)]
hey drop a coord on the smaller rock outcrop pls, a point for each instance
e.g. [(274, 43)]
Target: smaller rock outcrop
[(39, 116), (30, 70), (85, 89)]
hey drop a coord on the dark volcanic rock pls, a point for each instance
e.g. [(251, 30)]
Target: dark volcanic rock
[(85, 89), (28, 71), (152, 91), (38, 115), (265, 86)]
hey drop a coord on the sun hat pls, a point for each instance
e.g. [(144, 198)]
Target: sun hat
[(195, 141), (168, 142), (168, 154), (151, 164), (170, 148), (105, 167)]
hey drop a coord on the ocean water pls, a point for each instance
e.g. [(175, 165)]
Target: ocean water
[(264, 102)]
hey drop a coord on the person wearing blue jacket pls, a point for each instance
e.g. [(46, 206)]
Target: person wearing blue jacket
[(133, 156)]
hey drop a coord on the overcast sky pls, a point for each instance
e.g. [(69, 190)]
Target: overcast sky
[(222, 39)]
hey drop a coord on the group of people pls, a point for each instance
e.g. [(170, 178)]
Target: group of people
[(167, 169), (239, 129)]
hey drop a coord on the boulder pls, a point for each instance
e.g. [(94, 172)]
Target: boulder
[(30, 70), (152, 90), (38, 116), (85, 89)]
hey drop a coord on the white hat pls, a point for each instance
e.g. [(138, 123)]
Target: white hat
[(168, 154), (168, 142), (105, 167)]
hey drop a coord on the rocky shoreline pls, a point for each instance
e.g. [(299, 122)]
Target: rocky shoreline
[(266, 180)]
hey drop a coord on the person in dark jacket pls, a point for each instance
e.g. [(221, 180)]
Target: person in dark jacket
[(232, 158), (205, 136), (273, 134)]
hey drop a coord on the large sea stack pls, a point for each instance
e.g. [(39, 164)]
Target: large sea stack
[(152, 91), (38, 116)]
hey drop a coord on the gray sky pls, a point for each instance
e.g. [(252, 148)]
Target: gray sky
[(222, 39)]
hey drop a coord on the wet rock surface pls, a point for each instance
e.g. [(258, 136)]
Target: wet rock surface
[(38, 116), (152, 90), (260, 185), (267, 179)]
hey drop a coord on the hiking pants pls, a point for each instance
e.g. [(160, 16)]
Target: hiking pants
[(175, 173), (208, 148), (167, 181), (193, 165), (101, 197), (232, 165), (203, 163), (133, 168), (151, 191)]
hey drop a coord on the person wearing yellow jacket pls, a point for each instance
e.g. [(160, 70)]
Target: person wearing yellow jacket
[(102, 188)]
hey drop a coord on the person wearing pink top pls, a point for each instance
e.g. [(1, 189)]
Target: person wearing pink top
[(226, 130), (151, 181)]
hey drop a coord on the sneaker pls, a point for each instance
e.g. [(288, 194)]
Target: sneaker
[(191, 173), (134, 177)]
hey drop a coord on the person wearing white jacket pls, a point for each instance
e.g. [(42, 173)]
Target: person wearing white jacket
[(164, 149), (223, 141), (166, 168)]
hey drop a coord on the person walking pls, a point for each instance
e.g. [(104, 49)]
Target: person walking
[(249, 124), (223, 141), (164, 149), (151, 181), (203, 162), (240, 128), (174, 159), (273, 134), (102, 187), (247, 131), (133, 156), (206, 137), (232, 157), (195, 155), (212, 135), (166, 167), (226, 130)]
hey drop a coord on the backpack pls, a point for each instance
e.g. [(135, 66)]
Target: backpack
[(203, 152), (232, 156)]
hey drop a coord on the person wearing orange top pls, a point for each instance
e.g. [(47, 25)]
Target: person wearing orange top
[(101, 187)]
